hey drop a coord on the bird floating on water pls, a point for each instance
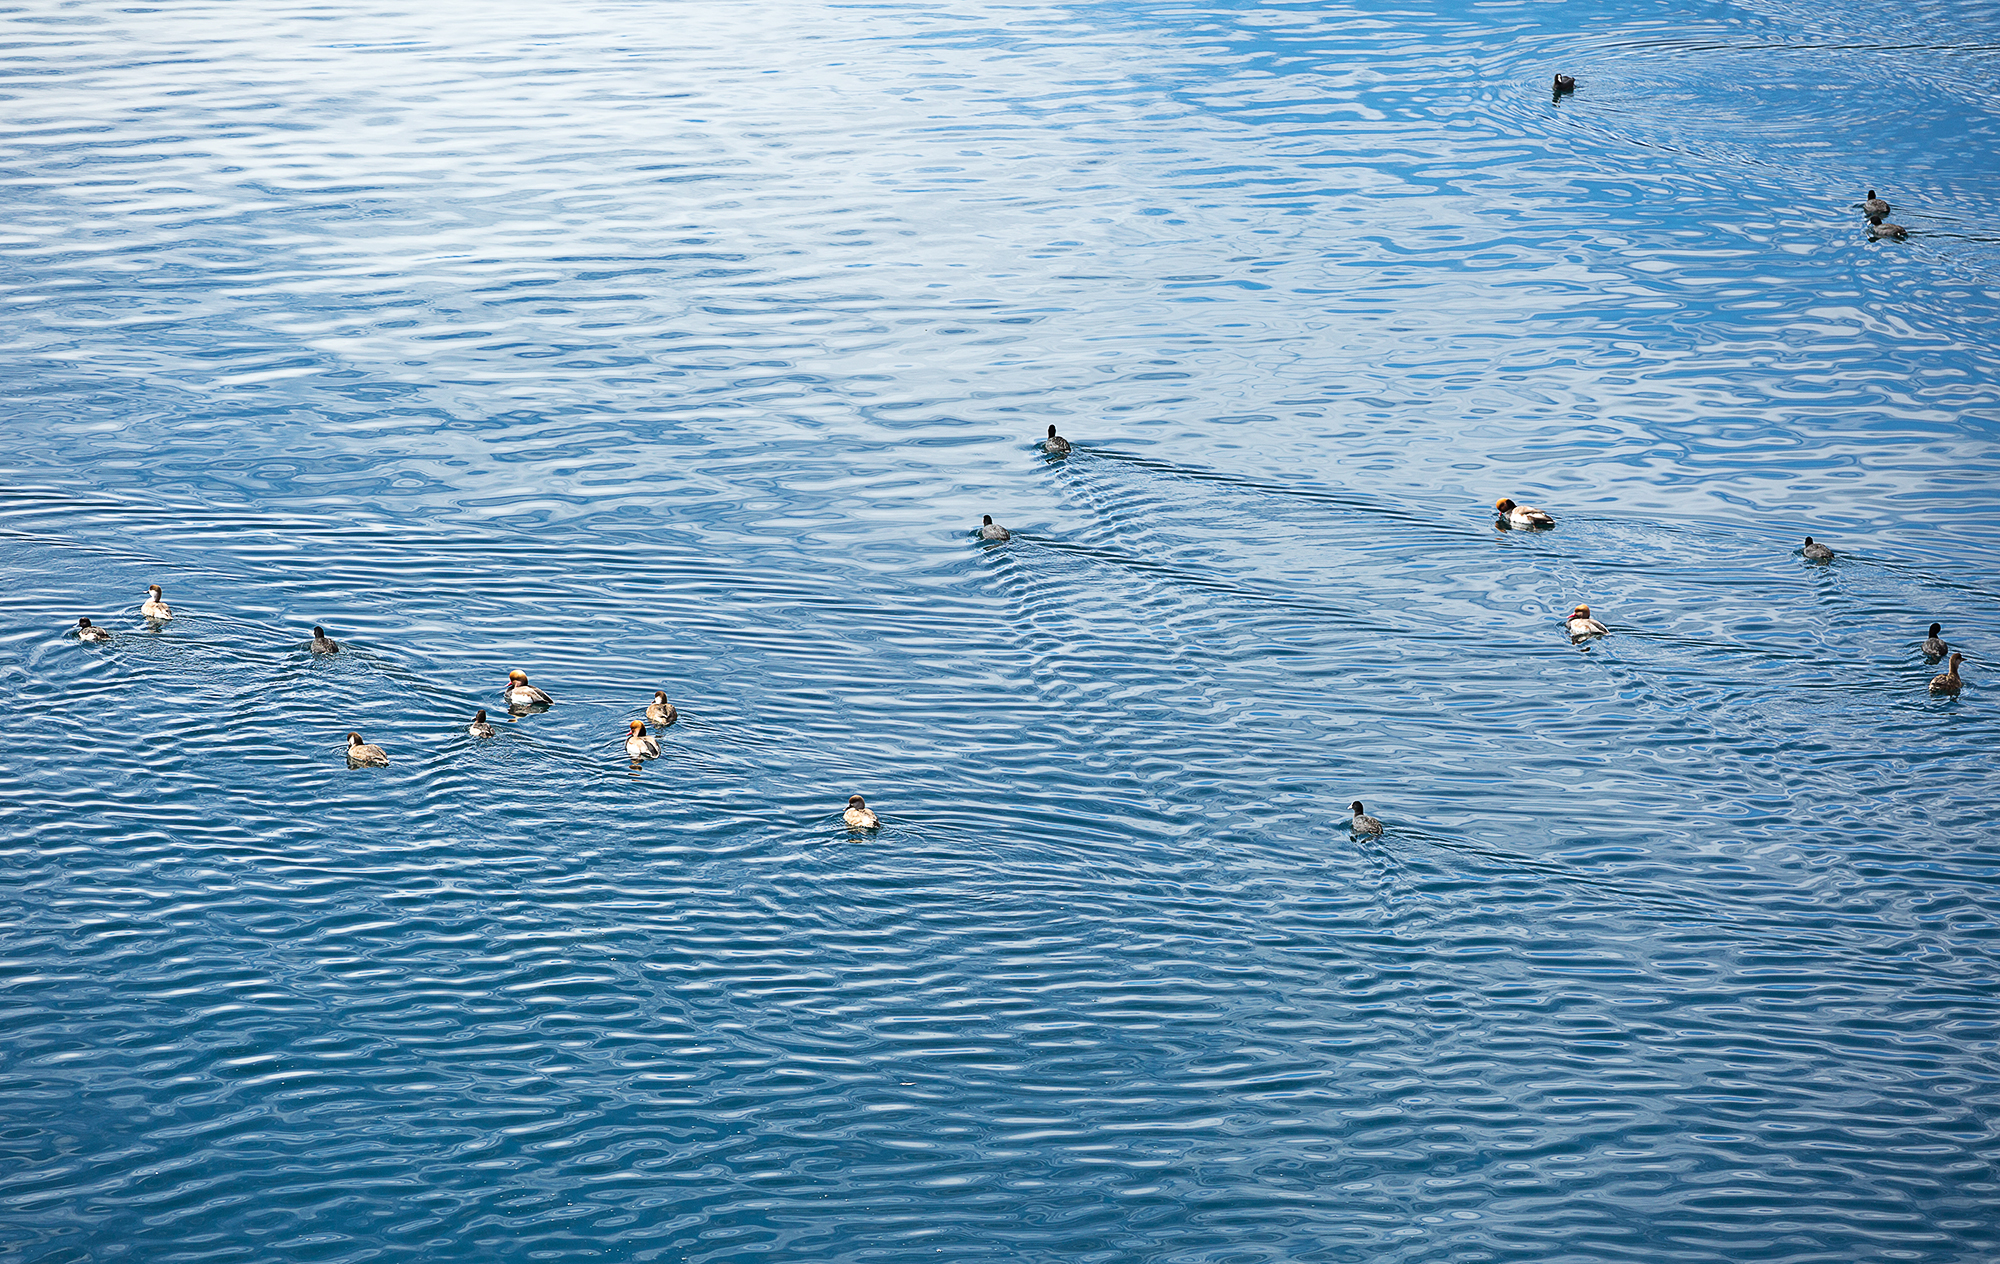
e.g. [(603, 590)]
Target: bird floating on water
[(1362, 822), (640, 744), (479, 727), (662, 712), (322, 643), (361, 754), (519, 693), (1816, 552), (88, 631), (1581, 624), (1564, 84), (1879, 231), (1947, 681), (155, 608), (1513, 515), (1055, 444), (1934, 646), (991, 530), (858, 816), (1875, 208)]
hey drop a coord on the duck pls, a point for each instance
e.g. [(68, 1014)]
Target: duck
[(1581, 625), (519, 693), (1946, 681), (858, 816), (640, 744), (322, 643), (479, 727), (362, 755), (1564, 84), (88, 631), (1815, 552), (991, 530), (1878, 231), (1875, 208), (1362, 822), (1513, 515), (1934, 646), (662, 712), (1055, 444), (156, 606)]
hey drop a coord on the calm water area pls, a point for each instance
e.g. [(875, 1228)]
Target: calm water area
[(681, 347)]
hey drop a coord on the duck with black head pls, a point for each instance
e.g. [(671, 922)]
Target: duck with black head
[(362, 754), (88, 631), (479, 726), (1565, 85), (1055, 444), (1934, 646), (991, 530), (1362, 822), (322, 643)]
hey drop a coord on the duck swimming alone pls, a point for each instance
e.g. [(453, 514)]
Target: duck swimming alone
[(662, 712), (858, 816), (1947, 681), (991, 530), (1816, 552), (1878, 231), (322, 643), (1055, 444), (1564, 84), (640, 744), (88, 631), (1362, 822), (1581, 625), (519, 693), (156, 606), (1934, 646), (1513, 515), (479, 727), (361, 755), (1875, 208)]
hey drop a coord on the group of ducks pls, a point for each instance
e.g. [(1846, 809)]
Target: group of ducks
[(523, 698)]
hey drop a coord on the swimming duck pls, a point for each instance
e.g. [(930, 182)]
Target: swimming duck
[(662, 712), (1816, 552), (88, 631), (1580, 624), (1055, 444), (362, 755), (858, 816), (1564, 84), (1513, 515), (1362, 822), (519, 693), (322, 643), (1878, 231), (1875, 208), (479, 727), (991, 530), (1934, 647), (1946, 681), (640, 744), (156, 607)]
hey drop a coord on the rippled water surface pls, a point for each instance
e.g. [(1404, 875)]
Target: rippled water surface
[(681, 347)]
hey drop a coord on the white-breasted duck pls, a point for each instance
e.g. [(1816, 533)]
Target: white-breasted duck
[(858, 816), (991, 530), (1362, 822), (519, 693), (361, 754), (1513, 515), (322, 643), (155, 607), (1565, 83), (1055, 444), (88, 631), (1580, 624), (1934, 646), (662, 712), (640, 744), (1947, 681), (479, 727), (1813, 551)]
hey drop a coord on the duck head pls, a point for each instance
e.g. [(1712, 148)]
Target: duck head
[(1356, 805), (481, 717), (353, 740), (1052, 430), (637, 727), (83, 623), (856, 801), (1581, 612), (517, 677), (1502, 505), (986, 521), (1935, 627)]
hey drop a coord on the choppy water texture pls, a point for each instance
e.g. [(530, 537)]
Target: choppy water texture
[(651, 346)]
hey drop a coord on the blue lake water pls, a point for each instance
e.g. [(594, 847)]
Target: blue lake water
[(681, 347)]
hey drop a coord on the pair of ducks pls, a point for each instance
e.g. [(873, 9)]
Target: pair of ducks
[(1877, 211), (153, 610), (1054, 445), (1945, 682), (1578, 621)]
